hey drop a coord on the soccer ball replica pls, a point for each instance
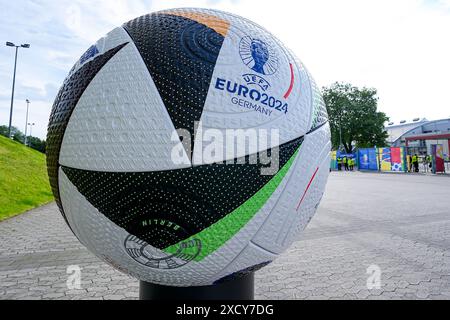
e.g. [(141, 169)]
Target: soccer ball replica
[(145, 198)]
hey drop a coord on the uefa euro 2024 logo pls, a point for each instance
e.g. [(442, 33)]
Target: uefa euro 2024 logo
[(258, 56)]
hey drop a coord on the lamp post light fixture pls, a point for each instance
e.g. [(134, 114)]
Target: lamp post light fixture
[(26, 46), (26, 122)]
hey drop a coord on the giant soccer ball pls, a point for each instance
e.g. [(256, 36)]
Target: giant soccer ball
[(161, 205)]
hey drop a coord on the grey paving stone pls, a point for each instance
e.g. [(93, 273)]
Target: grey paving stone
[(114, 297), (97, 289), (364, 219), (55, 295)]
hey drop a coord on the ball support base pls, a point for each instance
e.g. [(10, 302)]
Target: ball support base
[(238, 289)]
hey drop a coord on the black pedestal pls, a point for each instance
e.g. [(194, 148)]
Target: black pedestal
[(238, 289)]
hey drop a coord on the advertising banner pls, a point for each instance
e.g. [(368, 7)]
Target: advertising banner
[(396, 159), (363, 156), (403, 155), (368, 159), (333, 163), (438, 153), (373, 159), (385, 159)]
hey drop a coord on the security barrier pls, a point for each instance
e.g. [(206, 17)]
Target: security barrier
[(393, 159), (383, 159)]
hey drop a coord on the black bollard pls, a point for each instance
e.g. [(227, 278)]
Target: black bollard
[(241, 288)]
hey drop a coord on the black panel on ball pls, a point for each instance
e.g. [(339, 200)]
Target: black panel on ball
[(65, 102), (180, 55), (163, 208)]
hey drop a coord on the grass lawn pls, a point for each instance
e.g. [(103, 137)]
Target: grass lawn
[(23, 179)]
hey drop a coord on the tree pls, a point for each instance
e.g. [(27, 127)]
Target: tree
[(36, 144), (32, 142), (16, 134), (4, 131), (353, 114)]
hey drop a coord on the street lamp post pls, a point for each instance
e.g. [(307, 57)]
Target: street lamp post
[(26, 122), (26, 46), (341, 145), (31, 128)]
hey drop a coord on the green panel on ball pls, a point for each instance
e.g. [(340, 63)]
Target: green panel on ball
[(213, 237)]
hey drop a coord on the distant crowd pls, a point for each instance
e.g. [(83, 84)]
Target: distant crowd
[(413, 162), (344, 163)]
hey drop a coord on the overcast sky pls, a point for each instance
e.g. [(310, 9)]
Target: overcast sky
[(401, 47)]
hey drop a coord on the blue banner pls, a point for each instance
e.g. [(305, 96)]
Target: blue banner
[(373, 161), (363, 156), (368, 159)]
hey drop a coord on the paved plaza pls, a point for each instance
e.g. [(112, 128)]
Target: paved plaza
[(394, 228)]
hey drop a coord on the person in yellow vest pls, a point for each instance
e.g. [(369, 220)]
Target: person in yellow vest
[(339, 163), (352, 163), (428, 160), (345, 161), (415, 162)]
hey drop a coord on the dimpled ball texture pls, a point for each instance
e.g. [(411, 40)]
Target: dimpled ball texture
[(145, 198)]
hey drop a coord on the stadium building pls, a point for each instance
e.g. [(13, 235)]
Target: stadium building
[(419, 135)]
